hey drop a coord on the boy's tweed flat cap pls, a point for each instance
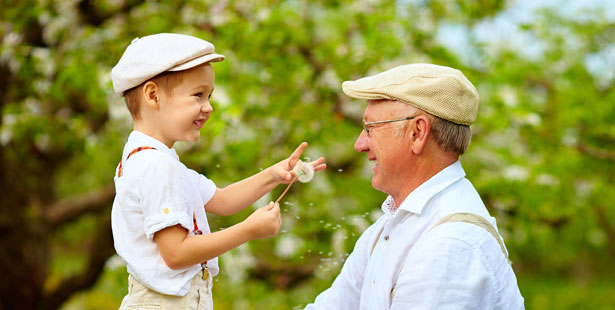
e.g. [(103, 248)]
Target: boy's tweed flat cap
[(438, 90), (149, 56)]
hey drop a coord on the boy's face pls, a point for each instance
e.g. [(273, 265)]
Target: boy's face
[(185, 109)]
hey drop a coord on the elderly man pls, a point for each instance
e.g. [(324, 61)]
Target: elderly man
[(436, 246)]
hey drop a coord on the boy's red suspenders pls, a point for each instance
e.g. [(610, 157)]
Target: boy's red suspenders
[(139, 149), (197, 231)]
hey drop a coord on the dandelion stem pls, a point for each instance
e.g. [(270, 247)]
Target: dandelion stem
[(287, 188)]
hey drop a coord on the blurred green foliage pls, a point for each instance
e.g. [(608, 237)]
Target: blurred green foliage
[(542, 155)]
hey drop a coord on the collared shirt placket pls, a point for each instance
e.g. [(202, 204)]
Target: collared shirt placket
[(382, 264)]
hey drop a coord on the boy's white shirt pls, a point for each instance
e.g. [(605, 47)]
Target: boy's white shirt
[(157, 191)]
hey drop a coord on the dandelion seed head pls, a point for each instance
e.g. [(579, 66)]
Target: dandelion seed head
[(303, 171)]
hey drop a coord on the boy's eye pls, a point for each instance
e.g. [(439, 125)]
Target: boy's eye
[(209, 97), (199, 95)]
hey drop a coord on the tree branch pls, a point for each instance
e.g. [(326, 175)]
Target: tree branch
[(595, 152), (93, 16), (587, 149), (100, 250), (603, 219), (283, 275), (67, 210)]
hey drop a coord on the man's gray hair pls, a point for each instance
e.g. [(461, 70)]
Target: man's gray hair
[(450, 136)]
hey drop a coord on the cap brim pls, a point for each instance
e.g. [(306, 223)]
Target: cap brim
[(353, 89), (198, 61)]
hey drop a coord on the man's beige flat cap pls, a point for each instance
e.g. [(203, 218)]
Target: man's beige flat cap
[(442, 91)]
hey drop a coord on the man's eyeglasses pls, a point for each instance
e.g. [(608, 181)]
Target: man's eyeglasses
[(368, 126)]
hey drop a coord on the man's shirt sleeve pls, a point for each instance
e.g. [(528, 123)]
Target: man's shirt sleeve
[(345, 292)]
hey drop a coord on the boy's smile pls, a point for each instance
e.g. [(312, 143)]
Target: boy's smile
[(200, 122)]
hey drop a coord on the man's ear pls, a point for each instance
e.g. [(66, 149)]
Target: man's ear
[(420, 133), (151, 93)]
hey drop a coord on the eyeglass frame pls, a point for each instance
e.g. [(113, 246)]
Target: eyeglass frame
[(366, 128)]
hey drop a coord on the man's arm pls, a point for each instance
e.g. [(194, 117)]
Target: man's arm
[(345, 292)]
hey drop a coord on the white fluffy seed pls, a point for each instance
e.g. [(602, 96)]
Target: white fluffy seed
[(303, 171)]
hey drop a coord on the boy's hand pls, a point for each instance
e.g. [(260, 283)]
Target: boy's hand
[(264, 222), (282, 171)]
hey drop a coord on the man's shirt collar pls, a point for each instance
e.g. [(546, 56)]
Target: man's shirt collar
[(416, 201)]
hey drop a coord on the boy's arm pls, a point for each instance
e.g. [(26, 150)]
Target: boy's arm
[(180, 250), (239, 195)]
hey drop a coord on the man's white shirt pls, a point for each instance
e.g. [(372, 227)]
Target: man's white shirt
[(399, 262)]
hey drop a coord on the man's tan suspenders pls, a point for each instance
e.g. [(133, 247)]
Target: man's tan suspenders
[(477, 220), (463, 217)]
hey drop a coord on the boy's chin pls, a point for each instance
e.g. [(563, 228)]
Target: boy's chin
[(193, 138)]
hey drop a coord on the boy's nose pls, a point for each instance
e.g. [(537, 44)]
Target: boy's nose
[(207, 108), (361, 144)]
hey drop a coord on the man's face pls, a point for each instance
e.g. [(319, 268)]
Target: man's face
[(386, 145)]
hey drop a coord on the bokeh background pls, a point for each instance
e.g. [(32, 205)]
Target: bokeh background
[(542, 155)]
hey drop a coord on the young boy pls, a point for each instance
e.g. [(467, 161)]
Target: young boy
[(158, 218)]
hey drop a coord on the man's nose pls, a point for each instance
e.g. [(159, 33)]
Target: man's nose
[(361, 144)]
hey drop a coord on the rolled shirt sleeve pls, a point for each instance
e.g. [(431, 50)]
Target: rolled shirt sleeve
[(165, 196)]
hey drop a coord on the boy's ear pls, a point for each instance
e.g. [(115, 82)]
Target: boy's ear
[(151, 92)]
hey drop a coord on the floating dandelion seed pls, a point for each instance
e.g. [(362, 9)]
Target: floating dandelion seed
[(303, 172)]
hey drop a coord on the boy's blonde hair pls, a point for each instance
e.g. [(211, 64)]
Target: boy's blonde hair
[(167, 81)]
